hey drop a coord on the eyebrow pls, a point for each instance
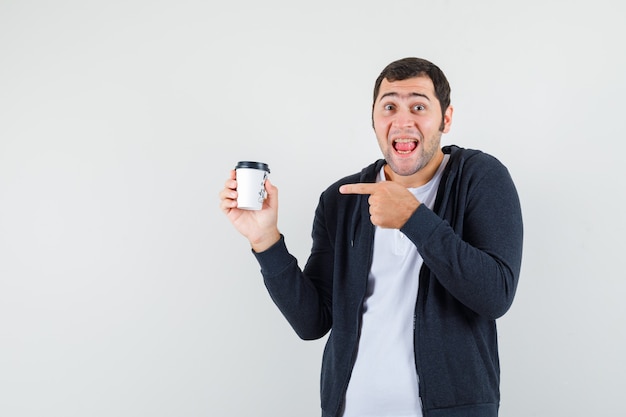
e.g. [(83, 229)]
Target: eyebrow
[(394, 94)]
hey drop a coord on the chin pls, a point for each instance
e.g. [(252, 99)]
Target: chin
[(403, 168)]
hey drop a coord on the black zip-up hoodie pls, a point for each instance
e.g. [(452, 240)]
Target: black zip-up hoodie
[(471, 243)]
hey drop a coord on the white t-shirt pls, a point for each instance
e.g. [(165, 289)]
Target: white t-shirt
[(384, 379)]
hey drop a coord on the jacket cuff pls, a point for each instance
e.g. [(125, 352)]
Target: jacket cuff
[(274, 259), (421, 225)]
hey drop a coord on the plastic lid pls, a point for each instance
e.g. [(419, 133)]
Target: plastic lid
[(253, 165)]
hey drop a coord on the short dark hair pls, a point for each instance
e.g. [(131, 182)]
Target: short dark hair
[(405, 68)]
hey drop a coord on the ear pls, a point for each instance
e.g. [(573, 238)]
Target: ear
[(447, 119)]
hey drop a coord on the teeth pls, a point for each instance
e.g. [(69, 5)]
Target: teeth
[(401, 145)]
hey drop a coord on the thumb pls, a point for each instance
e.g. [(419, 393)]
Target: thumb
[(270, 188), (272, 192)]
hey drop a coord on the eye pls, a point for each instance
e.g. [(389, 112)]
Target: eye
[(388, 107), (419, 107)]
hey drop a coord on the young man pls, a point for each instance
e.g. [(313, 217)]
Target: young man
[(413, 259)]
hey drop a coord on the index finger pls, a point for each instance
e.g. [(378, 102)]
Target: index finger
[(358, 188)]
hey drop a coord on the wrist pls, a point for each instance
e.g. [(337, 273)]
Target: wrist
[(265, 242)]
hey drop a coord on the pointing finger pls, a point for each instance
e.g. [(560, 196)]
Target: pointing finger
[(359, 188)]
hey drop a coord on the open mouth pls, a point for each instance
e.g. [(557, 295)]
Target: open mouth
[(405, 146)]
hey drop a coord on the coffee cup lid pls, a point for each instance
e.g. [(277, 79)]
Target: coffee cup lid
[(253, 165)]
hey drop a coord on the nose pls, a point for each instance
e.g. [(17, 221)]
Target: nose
[(403, 119)]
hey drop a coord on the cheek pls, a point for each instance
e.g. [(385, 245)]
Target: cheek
[(381, 137), (381, 128), (429, 126)]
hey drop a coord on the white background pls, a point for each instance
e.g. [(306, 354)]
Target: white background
[(124, 291)]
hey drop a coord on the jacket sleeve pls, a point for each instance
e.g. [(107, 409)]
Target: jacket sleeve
[(477, 260), (303, 297)]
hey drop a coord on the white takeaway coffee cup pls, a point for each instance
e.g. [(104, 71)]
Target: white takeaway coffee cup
[(251, 184)]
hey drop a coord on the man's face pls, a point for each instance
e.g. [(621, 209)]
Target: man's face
[(407, 120)]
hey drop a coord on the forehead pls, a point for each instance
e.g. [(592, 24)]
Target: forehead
[(420, 86)]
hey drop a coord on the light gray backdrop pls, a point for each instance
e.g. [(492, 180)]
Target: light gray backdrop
[(124, 291)]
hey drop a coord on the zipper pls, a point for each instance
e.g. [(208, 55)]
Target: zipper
[(420, 379), (344, 390), (359, 316)]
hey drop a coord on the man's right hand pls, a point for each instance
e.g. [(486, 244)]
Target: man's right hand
[(260, 227)]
